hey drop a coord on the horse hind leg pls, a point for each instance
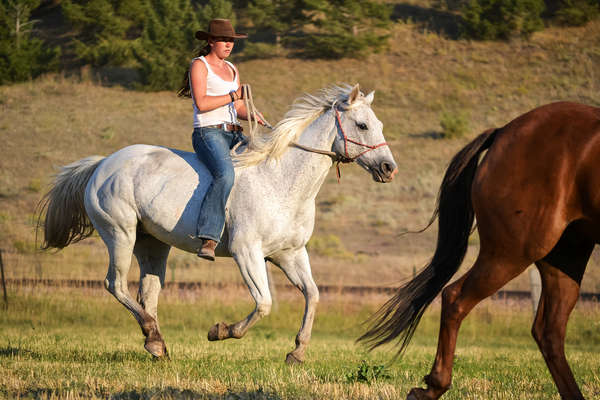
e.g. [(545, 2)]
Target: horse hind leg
[(151, 255), (488, 274), (120, 243), (252, 266), (561, 272)]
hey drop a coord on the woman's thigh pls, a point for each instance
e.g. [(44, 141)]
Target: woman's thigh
[(212, 147)]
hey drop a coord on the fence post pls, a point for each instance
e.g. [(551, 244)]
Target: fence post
[(535, 284), (3, 281)]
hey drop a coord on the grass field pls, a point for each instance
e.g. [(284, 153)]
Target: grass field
[(81, 344)]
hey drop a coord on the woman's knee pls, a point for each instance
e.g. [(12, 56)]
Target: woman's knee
[(225, 176)]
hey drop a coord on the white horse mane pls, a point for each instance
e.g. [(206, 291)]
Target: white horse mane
[(303, 112)]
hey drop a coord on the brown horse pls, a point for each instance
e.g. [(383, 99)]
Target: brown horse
[(536, 197)]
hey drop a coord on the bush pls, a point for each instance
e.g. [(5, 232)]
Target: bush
[(577, 12), (454, 124), (501, 19)]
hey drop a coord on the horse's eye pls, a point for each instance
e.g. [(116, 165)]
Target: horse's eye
[(362, 126)]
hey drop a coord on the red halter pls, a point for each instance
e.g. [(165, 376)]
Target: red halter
[(346, 158)]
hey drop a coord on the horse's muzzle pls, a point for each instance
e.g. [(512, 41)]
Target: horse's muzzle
[(384, 172)]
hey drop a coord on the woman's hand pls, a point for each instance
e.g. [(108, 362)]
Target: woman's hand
[(239, 93), (259, 118)]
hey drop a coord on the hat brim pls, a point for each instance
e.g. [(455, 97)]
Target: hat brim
[(202, 35)]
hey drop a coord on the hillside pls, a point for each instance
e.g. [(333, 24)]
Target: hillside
[(55, 120)]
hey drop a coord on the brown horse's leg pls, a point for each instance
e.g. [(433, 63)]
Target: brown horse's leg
[(561, 273), (559, 295), (487, 276)]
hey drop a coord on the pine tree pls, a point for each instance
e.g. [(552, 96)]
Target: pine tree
[(22, 56), (347, 28), (106, 29), (215, 9), (502, 19), (279, 17)]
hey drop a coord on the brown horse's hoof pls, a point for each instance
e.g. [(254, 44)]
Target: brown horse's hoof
[(417, 394), (157, 348), (219, 331), (291, 359)]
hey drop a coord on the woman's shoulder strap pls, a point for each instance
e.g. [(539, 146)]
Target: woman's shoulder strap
[(203, 60), (235, 71)]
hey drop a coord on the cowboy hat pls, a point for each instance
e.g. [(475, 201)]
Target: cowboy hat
[(220, 28)]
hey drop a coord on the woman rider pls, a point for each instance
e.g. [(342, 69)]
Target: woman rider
[(214, 86)]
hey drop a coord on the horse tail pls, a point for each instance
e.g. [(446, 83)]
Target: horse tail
[(400, 315), (65, 219)]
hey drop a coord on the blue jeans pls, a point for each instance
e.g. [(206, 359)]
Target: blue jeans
[(212, 148)]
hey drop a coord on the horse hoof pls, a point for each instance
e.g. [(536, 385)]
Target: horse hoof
[(157, 349), (417, 394), (291, 359), (219, 331)]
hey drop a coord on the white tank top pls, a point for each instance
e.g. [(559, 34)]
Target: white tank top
[(215, 86)]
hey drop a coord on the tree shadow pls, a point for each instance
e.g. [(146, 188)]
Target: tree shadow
[(445, 23)]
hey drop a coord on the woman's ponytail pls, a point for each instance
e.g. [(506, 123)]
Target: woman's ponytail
[(184, 90)]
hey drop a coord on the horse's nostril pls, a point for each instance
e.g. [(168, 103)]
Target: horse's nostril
[(387, 168)]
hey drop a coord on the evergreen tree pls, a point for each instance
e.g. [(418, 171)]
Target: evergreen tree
[(22, 56), (347, 28), (106, 29), (577, 12), (215, 9), (502, 19), (279, 17), (167, 41)]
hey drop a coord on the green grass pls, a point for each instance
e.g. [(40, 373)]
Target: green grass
[(71, 343)]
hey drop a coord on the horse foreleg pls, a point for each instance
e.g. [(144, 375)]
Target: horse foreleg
[(152, 258), (485, 277), (296, 266), (252, 266)]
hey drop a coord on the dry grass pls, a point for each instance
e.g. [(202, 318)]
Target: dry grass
[(55, 120)]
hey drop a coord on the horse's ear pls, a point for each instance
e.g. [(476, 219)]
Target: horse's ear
[(369, 98), (354, 94)]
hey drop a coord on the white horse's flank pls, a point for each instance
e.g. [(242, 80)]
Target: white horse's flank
[(144, 199)]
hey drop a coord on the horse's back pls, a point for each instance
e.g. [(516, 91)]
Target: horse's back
[(159, 187), (539, 175)]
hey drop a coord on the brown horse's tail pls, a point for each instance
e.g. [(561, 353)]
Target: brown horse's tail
[(65, 219), (402, 313)]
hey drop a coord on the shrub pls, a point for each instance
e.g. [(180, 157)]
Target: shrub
[(368, 374), (454, 124), (329, 246), (577, 12), (501, 19)]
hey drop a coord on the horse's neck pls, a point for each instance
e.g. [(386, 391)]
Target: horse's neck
[(303, 172)]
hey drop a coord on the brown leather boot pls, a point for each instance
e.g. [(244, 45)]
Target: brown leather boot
[(207, 251)]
